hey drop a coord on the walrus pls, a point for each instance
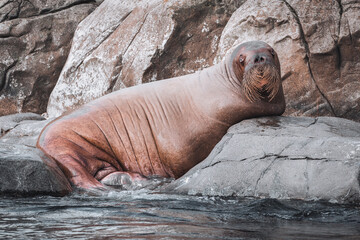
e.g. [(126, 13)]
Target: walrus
[(166, 127)]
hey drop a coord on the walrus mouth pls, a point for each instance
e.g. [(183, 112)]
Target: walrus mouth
[(261, 82)]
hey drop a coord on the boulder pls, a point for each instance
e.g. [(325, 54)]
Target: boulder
[(281, 157), (35, 38), (22, 170), (23, 173), (138, 42), (319, 48), (318, 45)]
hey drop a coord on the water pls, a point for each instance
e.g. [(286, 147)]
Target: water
[(144, 215)]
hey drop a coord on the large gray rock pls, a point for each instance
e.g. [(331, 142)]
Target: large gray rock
[(281, 157), (22, 170), (144, 41), (9, 122)]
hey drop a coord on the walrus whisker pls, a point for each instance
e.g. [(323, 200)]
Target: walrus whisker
[(255, 76)]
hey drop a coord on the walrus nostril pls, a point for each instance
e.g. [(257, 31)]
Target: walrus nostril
[(259, 59)]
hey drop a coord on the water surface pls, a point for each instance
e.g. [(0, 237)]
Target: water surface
[(144, 215)]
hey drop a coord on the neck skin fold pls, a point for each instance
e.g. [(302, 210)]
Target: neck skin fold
[(230, 80), (217, 94)]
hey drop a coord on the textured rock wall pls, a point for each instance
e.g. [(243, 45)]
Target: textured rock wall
[(35, 38), (138, 42)]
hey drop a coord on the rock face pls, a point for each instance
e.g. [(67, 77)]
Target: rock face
[(22, 170), (318, 44), (138, 42), (281, 157), (35, 38)]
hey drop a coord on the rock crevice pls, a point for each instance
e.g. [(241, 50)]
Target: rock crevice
[(308, 54), (34, 8), (318, 58)]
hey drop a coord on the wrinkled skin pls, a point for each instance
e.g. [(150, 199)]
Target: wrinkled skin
[(162, 128)]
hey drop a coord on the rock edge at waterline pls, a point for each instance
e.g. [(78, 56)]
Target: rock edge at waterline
[(22, 171), (272, 157)]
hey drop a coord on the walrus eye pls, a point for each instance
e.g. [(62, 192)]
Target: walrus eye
[(272, 52), (241, 58)]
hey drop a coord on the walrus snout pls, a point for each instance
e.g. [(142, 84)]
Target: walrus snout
[(261, 81), (259, 59)]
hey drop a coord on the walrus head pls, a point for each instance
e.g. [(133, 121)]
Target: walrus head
[(256, 66)]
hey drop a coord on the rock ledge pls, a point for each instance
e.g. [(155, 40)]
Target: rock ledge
[(270, 157), (281, 157)]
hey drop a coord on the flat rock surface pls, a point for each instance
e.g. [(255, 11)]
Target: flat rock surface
[(281, 157), (22, 172)]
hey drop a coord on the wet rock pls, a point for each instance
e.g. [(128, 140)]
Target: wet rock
[(281, 157), (318, 46), (135, 43), (22, 170), (35, 38)]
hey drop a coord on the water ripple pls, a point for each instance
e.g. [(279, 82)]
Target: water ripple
[(145, 215)]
